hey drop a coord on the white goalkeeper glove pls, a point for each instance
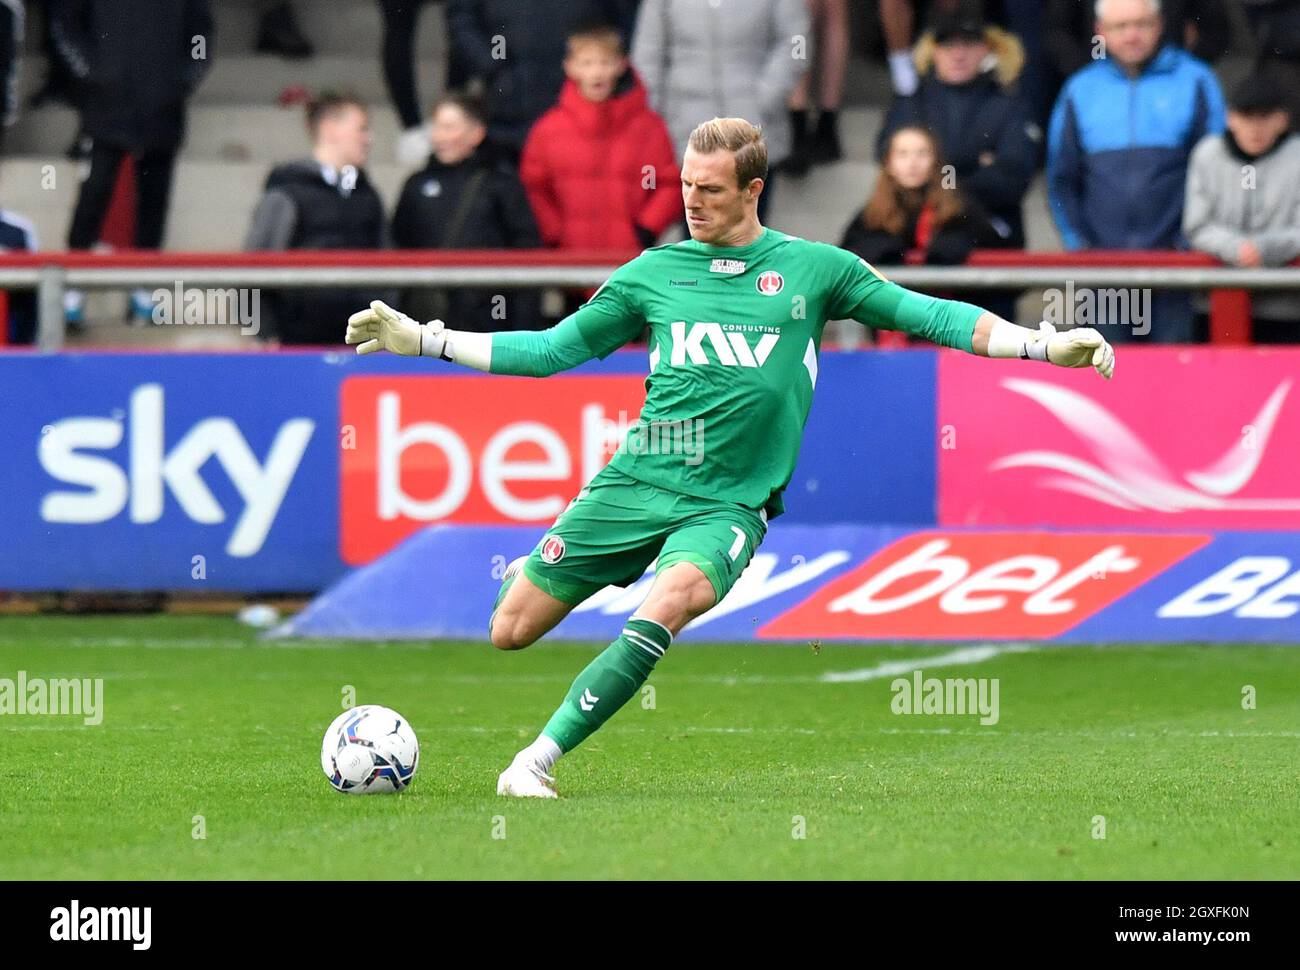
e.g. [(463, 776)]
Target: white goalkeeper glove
[(382, 328), (1078, 347)]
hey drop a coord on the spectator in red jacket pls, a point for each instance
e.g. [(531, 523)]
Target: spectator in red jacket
[(599, 167)]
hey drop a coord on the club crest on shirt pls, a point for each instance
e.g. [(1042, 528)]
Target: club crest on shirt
[(731, 267), (770, 283), (552, 550)]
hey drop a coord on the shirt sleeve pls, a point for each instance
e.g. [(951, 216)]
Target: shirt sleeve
[(599, 327), (858, 292)]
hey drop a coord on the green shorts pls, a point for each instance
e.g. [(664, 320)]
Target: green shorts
[(618, 526)]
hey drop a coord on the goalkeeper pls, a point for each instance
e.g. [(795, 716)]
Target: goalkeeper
[(736, 315)]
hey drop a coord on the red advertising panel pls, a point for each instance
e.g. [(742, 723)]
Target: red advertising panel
[(470, 450), (959, 586), (1179, 439)]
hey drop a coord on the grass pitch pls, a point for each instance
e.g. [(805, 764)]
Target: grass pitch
[(744, 747)]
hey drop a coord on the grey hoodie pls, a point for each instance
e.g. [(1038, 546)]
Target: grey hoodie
[(701, 59), (1221, 212)]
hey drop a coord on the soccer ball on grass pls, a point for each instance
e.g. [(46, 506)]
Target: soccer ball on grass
[(369, 750)]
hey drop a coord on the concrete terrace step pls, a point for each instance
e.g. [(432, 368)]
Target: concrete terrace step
[(216, 133), (212, 201), (332, 26), (244, 78)]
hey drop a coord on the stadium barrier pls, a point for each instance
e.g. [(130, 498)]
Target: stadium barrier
[(50, 274)]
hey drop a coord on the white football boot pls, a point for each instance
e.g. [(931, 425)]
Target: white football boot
[(526, 779)]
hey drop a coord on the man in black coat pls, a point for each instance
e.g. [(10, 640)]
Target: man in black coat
[(136, 62), (464, 198), (984, 128), (518, 48), (322, 202)]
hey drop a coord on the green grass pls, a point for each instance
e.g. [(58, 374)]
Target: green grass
[(203, 719)]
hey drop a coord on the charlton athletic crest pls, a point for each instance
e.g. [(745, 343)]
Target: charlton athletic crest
[(552, 550), (770, 283)]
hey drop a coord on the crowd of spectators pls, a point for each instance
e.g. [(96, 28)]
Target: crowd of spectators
[(563, 128)]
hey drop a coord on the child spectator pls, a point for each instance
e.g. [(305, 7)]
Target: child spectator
[(599, 167), (1243, 198), (465, 199), (322, 202), (516, 47)]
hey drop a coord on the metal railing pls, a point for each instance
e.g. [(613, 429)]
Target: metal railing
[(52, 274)]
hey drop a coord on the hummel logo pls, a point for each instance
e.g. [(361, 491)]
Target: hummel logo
[(683, 282), (728, 266), (588, 700)]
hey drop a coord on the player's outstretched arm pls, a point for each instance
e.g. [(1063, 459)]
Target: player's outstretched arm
[(1078, 347), (861, 293), (525, 353)]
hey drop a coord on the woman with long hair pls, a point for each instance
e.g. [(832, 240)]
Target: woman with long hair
[(917, 205)]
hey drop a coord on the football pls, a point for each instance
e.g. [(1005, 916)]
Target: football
[(369, 750)]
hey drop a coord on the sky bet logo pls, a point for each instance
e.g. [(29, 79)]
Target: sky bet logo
[(974, 585), (104, 488)]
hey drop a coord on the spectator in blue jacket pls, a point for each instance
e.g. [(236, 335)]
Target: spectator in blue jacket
[(1121, 134), (1119, 141)]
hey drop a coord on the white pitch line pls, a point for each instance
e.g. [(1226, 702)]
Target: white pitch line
[(893, 668)]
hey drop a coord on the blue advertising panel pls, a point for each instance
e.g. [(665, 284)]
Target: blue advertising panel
[(222, 471)]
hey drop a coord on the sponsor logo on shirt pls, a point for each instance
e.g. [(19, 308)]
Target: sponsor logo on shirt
[(729, 266), (683, 282), (729, 342)]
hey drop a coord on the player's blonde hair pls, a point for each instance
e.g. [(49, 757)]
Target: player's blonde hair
[(742, 139)]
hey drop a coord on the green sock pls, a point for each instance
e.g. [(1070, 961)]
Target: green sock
[(609, 682)]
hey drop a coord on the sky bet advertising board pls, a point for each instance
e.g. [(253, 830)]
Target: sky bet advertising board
[(937, 496)]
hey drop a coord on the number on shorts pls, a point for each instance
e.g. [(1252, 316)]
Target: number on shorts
[(738, 545)]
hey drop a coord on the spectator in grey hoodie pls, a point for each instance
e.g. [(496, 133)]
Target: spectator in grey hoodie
[(703, 59), (1243, 198)]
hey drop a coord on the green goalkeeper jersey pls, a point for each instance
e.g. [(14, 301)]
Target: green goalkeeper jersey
[(734, 334)]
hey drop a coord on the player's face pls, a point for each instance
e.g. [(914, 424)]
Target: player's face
[(715, 205), (911, 159), (455, 135), (1130, 30), (347, 136), (595, 69)]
